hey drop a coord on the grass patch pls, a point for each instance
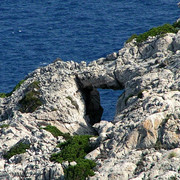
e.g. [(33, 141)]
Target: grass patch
[(4, 126), (31, 100), (56, 132), (17, 149), (3, 95), (160, 30), (75, 149)]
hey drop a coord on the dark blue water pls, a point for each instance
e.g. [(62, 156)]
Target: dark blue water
[(34, 33)]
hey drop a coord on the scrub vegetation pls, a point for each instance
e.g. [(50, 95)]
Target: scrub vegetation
[(3, 95), (74, 149), (19, 148), (4, 126), (31, 100), (160, 30), (56, 132)]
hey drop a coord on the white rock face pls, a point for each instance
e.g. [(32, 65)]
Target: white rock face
[(138, 144)]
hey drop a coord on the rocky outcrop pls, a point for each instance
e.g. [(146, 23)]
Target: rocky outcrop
[(143, 140)]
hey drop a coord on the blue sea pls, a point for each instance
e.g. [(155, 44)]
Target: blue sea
[(34, 33)]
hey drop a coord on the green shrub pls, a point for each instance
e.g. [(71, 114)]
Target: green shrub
[(3, 95), (82, 170), (160, 30), (4, 126), (75, 149), (131, 38), (56, 132), (15, 88), (31, 100), (176, 24), (17, 149)]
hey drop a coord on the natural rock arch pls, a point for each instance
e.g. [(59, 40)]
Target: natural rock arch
[(147, 113)]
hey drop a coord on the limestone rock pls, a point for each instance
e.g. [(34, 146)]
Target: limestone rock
[(142, 142)]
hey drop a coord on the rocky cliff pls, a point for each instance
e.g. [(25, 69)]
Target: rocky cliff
[(142, 142)]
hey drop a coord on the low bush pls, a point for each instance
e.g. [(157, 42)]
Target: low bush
[(176, 24), (56, 132), (31, 100), (82, 170), (160, 30), (75, 149), (17, 149), (3, 95), (4, 126)]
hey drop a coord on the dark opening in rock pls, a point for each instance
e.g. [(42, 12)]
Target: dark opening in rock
[(93, 106), (109, 99)]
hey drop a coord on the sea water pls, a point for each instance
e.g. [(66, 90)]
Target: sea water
[(34, 33)]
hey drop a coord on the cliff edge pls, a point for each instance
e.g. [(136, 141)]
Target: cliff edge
[(142, 142)]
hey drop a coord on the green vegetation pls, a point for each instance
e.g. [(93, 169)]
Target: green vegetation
[(17, 149), (171, 155), (31, 101), (74, 103), (82, 170), (176, 25), (56, 132), (4, 126), (131, 38), (75, 149), (160, 30), (173, 178), (3, 95)]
